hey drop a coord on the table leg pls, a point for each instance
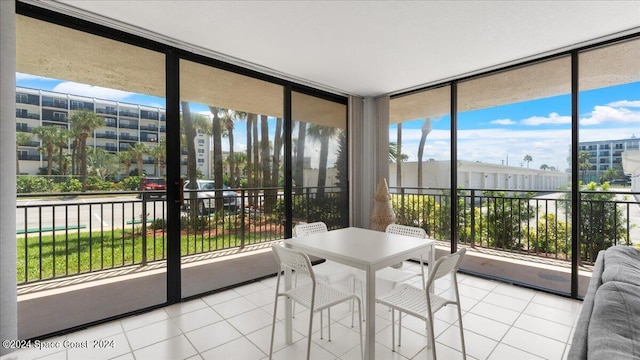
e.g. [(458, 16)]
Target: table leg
[(370, 333), (288, 321)]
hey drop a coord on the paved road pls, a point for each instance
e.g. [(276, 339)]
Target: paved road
[(93, 213)]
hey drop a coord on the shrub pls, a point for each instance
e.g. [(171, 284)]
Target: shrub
[(95, 183), (33, 184), (69, 185), (130, 183)]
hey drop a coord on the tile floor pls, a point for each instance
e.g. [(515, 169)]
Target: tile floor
[(500, 321)]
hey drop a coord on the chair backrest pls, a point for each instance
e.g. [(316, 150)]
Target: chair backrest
[(292, 259), (445, 265), (406, 231), (308, 229)]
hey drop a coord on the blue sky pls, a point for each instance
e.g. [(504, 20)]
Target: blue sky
[(540, 128)]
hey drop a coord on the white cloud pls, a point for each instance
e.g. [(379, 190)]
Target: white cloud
[(91, 91), (625, 103), (609, 114), (552, 119), (503, 122)]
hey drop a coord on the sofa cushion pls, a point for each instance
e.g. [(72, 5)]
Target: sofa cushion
[(614, 329), (622, 263)]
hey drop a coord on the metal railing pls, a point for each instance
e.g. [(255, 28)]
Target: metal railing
[(530, 222), (65, 234)]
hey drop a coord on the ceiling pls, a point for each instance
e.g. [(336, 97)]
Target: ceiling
[(365, 48)]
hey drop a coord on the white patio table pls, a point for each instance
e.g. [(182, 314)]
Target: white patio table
[(364, 249)]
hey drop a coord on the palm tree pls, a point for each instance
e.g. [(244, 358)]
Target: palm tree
[(84, 123), (298, 167), (609, 174), (125, 159), (218, 177), (323, 134), (240, 159), (527, 159), (426, 129), (62, 142), (270, 199), (277, 146), (102, 163), (190, 125), (138, 151), (22, 139), (544, 167), (159, 154), (48, 136), (583, 163), (399, 159), (228, 117)]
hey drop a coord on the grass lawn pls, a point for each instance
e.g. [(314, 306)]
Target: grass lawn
[(45, 257)]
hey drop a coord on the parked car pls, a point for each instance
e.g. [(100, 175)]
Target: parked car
[(152, 184), (206, 194)]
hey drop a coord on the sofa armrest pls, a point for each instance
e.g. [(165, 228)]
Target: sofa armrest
[(579, 348)]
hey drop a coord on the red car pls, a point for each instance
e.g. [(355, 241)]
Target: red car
[(151, 183)]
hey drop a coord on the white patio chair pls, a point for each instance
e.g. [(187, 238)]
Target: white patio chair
[(314, 295), (397, 276), (422, 303), (329, 272)]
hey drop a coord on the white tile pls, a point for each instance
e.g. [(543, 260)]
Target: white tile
[(176, 348), (559, 316), (213, 335), (262, 338), (141, 320), (382, 353), (484, 284), (97, 332), (558, 302), (220, 297), (127, 356), (153, 333), (495, 312), (234, 307), (61, 355), (471, 292), (443, 352), (239, 349), (543, 327), (506, 352), (476, 345), (534, 343), (515, 291), (197, 319), (251, 288), (251, 321), (262, 297), (343, 339), (412, 342), (505, 301), (185, 307), (108, 348), (485, 326), (298, 350)]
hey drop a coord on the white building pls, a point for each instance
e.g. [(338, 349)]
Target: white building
[(477, 175)]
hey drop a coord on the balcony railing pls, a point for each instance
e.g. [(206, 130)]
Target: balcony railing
[(61, 235), (527, 222), (65, 234)]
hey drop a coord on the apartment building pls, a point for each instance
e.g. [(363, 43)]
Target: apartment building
[(125, 125), (604, 155)]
